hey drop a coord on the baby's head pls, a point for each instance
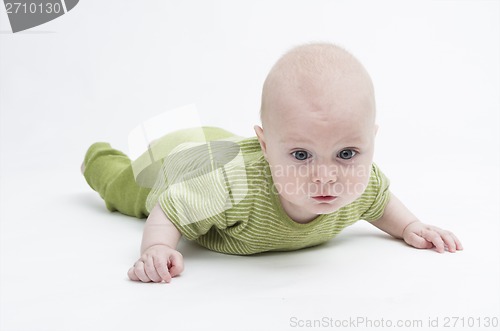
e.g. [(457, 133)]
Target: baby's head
[(318, 129)]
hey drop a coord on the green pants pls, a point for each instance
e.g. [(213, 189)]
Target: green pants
[(109, 171)]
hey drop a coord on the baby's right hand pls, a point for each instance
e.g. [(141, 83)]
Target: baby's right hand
[(157, 263)]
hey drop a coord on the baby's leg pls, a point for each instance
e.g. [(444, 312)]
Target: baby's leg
[(109, 172)]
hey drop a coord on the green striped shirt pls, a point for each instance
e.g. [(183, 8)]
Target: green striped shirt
[(228, 203)]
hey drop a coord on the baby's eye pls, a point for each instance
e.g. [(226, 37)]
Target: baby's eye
[(301, 155), (346, 154)]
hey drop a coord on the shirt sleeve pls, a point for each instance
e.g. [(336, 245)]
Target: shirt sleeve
[(203, 183), (378, 190), (196, 205)]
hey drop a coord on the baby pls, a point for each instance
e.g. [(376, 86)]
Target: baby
[(307, 174)]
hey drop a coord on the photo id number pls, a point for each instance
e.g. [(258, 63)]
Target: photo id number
[(33, 8)]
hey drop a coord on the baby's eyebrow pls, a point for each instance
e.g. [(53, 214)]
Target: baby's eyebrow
[(303, 142)]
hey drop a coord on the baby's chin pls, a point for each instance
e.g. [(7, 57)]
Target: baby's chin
[(328, 208), (322, 209)]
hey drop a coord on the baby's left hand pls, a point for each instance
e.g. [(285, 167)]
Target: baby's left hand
[(421, 235)]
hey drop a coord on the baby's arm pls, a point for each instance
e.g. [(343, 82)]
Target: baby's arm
[(400, 223), (159, 261)]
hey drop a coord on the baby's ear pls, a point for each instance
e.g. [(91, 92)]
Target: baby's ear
[(376, 130), (260, 136)]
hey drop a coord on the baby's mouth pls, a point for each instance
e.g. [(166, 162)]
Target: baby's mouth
[(324, 198)]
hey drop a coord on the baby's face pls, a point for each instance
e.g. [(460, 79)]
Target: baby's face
[(320, 150)]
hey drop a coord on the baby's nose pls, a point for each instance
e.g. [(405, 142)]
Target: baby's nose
[(324, 174)]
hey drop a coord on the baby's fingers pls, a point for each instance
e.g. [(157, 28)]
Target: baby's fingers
[(137, 272), (458, 243), (131, 274), (418, 242), (161, 268), (176, 264), (150, 269), (451, 242), (435, 238)]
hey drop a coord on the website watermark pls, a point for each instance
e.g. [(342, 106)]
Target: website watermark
[(298, 187), (320, 179), (26, 14), (362, 322), (320, 170)]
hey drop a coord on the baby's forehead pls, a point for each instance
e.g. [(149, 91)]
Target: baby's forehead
[(321, 139), (305, 125), (321, 101)]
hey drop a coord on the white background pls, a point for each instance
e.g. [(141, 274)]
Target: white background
[(106, 66)]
